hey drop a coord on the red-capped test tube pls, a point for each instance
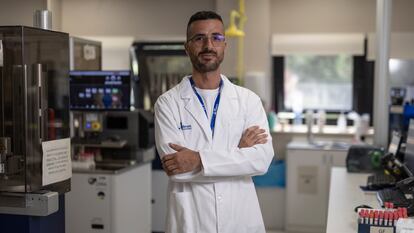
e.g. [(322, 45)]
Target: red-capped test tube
[(371, 217), (390, 219), (361, 216), (381, 218), (386, 218)]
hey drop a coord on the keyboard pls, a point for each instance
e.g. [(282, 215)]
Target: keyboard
[(396, 196), (380, 181)]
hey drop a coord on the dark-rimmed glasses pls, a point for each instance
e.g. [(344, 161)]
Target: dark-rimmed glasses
[(216, 39)]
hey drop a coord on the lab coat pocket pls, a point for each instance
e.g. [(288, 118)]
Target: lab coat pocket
[(184, 212), (235, 131)]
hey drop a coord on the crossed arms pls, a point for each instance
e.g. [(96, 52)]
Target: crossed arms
[(251, 157), (186, 160)]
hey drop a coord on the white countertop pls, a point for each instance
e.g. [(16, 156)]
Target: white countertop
[(318, 145), (344, 196), (327, 130)]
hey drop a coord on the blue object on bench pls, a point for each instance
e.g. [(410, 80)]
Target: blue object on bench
[(275, 176)]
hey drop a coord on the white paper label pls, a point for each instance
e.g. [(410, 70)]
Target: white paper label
[(1, 53), (89, 52), (56, 161), (381, 230)]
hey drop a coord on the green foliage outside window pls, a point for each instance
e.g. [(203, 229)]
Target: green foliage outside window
[(329, 68)]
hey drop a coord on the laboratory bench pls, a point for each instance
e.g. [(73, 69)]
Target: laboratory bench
[(283, 134), (307, 185), (344, 195)]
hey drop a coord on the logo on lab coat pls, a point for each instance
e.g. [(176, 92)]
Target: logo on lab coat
[(184, 127)]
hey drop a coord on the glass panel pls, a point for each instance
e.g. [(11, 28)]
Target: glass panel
[(46, 56), (318, 82), (161, 74), (11, 108)]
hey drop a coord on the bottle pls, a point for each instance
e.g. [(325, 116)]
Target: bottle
[(309, 125), (297, 120), (341, 122), (321, 120), (272, 118)]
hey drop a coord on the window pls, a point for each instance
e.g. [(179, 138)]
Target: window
[(318, 82)]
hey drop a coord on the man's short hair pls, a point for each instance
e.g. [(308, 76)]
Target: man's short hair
[(202, 15)]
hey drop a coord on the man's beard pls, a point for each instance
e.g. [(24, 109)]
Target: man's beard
[(206, 67)]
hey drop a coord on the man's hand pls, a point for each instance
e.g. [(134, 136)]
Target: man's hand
[(253, 136), (184, 160)]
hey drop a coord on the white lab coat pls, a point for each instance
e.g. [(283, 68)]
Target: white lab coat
[(221, 197)]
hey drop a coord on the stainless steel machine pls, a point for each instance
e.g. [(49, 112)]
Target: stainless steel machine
[(34, 111)]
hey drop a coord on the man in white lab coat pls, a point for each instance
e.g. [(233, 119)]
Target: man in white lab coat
[(212, 137)]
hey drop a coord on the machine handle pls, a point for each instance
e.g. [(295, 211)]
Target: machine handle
[(38, 79), (42, 101)]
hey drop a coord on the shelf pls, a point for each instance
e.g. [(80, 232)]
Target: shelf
[(103, 144)]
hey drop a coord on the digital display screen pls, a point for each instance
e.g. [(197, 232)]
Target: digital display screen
[(100, 90)]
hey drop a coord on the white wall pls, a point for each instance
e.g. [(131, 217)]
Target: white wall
[(256, 43), (19, 12), (124, 21), (55, 6), (165, 19), (137, 18), (229, 65), (301, 16), (257, 47)]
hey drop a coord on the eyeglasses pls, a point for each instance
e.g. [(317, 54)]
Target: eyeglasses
[(216, 39)]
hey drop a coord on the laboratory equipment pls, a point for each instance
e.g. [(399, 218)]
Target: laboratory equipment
[(162, 65), (112, 172), (34, 106), (118, 199), (100, 90)]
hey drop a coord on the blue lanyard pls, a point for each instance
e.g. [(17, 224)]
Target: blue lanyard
[(216, 103)]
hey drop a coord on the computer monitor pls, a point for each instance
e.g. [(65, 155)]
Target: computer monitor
[(100, 90), (409, 147)]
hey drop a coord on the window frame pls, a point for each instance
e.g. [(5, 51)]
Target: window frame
[(362, 85)]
